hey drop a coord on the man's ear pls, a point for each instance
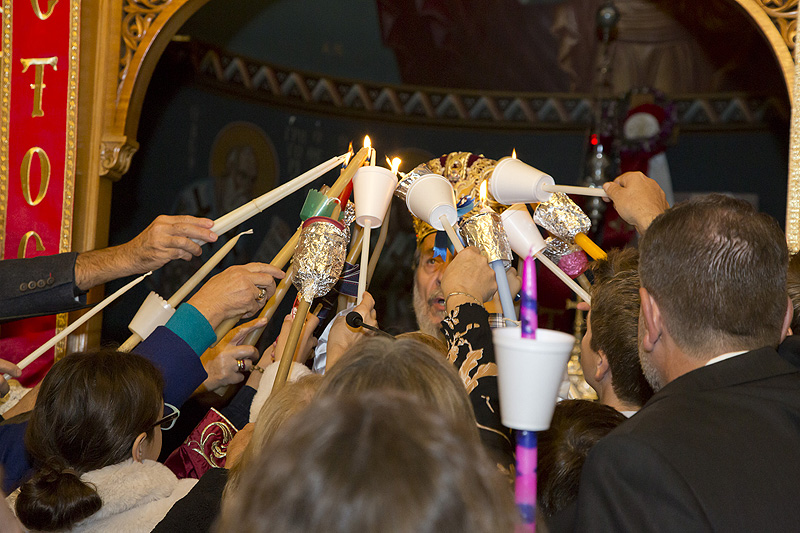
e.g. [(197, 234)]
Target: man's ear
[(787, 319), (653, 324), (602, 370), (137, 450)]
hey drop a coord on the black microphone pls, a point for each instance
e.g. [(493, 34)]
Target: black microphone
[(354, 320)]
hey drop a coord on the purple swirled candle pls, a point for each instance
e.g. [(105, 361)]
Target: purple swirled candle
[(528, 306), (525, 482)]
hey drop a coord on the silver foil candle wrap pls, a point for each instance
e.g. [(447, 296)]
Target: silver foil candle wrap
[(347, 219), (485, 232), (349, 214), (569, 257), (405, 182), (562, 217), (556, 249), (319, 257)]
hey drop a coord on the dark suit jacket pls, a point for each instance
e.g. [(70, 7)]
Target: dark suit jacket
[(716, 449), (197, 511), (790, 349), (38, 286)]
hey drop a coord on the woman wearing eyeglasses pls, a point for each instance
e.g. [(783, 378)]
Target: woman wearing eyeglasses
[(95, 435)]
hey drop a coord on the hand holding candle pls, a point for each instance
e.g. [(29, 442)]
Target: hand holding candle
[(468, 278), (318, 263), (155, 312), (485, 231), (283, 256)]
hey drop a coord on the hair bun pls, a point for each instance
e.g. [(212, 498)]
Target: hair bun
[(55, 498)]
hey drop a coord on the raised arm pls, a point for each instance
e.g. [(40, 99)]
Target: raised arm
[(165, 239), (467, 282), (637, 199)]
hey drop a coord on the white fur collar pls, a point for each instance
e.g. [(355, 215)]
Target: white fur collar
[(136, 496)]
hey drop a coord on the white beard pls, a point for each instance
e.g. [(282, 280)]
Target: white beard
[(423, 314)]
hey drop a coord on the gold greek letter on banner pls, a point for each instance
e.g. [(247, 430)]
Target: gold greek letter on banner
[(51, 5), (23, 244), (38, 85), (25, 175)]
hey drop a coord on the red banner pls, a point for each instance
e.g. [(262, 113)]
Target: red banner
[(38, 119)]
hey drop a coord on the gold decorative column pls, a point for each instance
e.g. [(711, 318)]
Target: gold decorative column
[(793, 188)]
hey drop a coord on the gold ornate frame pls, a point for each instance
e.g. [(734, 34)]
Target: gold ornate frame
[(121, 44)]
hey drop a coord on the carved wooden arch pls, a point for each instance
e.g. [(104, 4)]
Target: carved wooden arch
[(149, 25), (777, 20)]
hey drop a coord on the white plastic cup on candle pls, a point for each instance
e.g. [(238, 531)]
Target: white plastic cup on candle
[(373, 188), (523, 235), (430, 197), (513, 182), (529, 372), (155, 311)]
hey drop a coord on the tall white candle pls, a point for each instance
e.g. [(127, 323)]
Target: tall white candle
[(230, 220), (78, 323), (204, 270), (571, 189), (451, 232)]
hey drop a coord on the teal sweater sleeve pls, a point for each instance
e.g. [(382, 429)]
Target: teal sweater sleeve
[(190, 325)]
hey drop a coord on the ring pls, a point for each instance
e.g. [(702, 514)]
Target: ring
[(261, 294), (240, 365)]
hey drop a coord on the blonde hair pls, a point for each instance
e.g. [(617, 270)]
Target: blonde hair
[(424, 338), (293, 398), (405, 365)]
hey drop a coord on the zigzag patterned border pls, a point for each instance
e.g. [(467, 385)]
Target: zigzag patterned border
[(451, 107)]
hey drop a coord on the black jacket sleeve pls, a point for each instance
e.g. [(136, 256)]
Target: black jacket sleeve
[(469, 340), (39, 286)]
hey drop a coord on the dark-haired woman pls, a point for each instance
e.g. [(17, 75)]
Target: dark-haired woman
[(95, 435)]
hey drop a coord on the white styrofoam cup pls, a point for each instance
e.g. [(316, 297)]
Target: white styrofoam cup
[(529, 374), (430, 197), (373, 187), (513, 181), (523, 235)]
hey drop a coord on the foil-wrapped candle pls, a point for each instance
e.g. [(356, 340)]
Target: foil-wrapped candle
[(529, 306), (564, 219), (319, 257), (569, 258), (485, 231)]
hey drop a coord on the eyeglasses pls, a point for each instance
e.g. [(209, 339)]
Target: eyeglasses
[(168, 421)]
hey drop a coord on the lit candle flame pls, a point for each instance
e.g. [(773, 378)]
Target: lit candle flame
[(395, 164), (483, 193), (348, 155), (367, 142), (514, 153)]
